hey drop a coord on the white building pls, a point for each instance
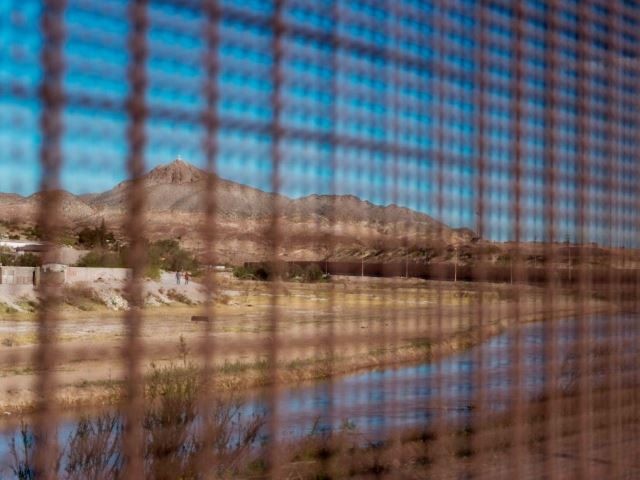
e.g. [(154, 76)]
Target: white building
[(18, 245)]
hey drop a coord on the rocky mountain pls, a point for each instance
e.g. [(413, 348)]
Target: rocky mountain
[(311, 227), (180, 187), (18, 209)]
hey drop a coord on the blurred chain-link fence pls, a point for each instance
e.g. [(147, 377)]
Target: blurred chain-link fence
[(412, 228)]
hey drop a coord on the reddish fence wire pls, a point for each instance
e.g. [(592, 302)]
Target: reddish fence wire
[(441, 280), (133, 440), (52, 94)]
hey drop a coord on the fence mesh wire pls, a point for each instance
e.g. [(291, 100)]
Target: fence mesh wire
[(483, 324)]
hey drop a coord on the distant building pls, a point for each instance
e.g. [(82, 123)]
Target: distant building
[(23, 246)]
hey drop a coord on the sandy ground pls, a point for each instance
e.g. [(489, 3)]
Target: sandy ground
[(319, 329)]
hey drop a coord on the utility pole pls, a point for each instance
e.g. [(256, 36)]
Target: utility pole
[(511, 268), (570, 267), (455, 265), (406, 265), (568, 243)]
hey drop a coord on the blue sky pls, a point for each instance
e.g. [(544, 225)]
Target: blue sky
[(408, 121)]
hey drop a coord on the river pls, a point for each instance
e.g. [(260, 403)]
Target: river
[(413, 396), (374, 403)]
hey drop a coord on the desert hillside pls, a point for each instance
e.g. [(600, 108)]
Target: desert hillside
[(312, 227)]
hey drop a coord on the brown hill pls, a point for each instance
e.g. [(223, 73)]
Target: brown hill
[(20, 209), (180, 187), (175, 208)]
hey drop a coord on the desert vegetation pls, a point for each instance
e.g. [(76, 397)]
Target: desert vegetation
[(381, 322), (285, 271), (167, 255), (177, 433), (7, 257), (96, 237)]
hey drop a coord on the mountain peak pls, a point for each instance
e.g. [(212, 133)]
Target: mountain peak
[(175, 172)]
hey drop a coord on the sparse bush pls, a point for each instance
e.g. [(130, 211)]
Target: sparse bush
[(243, 273), (80, 296), (98, 237), (504, 259), (24, 260), (253, 272), (33, 233), (28, 304), (176, 434), (103, 259), (429, 252), (179, 297), (296, 272), (169, 256), (21, 450), (269, 271), (153, 272), (28, 260), (161, 255), (183, 349), (312, 273)]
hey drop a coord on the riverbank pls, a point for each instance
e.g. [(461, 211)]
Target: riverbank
[(432, 440), (323, 329)]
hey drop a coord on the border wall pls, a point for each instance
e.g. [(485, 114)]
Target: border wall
[(10, 275), (88, 274)]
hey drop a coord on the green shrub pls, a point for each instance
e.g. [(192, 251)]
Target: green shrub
[(296, 272), (179, 297), (269, 271), (161, 255), (153, 272), (312, 273), (7, 259), (98, 237), (102, 258), (24, 260), (33, 233), (168, 255), (243, 273), (28, 260), (254, 272)]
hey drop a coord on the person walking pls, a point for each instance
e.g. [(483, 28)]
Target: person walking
[(187, 276), (178, 277)]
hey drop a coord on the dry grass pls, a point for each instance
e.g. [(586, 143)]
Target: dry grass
[(174, 436), (376, 323)]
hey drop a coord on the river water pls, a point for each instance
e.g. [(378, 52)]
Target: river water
[(376, 402), (413, 396)]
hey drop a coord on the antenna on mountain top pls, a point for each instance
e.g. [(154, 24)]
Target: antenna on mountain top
[(179, 158)]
